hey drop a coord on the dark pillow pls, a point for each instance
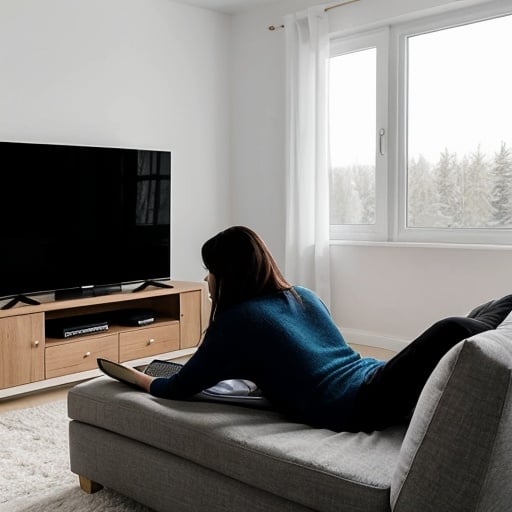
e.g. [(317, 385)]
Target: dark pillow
[(492, 313), (476, 311)]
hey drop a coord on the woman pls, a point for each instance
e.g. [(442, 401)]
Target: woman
[(283, 338)]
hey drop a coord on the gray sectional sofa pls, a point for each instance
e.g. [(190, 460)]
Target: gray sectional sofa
[(173, 456)]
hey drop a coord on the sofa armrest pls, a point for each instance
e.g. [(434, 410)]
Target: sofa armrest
[(450, 443)]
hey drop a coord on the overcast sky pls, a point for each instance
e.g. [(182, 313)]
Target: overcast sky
[(460, 90)]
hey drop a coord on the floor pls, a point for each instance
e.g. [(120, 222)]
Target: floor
[(32, 399), (378, 353), (60, 393)]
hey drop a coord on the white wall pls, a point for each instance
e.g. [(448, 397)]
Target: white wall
[(386, 294), (131, 73), (381, 294), (159, 74)]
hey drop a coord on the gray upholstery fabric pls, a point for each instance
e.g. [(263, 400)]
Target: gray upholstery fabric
[(162, 481), (496, 492), (456, 454), (348, 472)]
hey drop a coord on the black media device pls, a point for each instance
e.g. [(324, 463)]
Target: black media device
[(136, 316), (76, 326), (82, 220)]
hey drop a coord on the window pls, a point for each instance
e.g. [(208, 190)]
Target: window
[(153, 188), (357, 111), (448, 145)]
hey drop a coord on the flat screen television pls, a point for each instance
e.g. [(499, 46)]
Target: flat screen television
[(82, 218)]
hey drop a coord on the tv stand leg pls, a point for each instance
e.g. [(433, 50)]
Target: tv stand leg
[(20, 298), (156, 284)]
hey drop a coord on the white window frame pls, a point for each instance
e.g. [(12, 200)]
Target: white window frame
[(379, 40), (391, 169)]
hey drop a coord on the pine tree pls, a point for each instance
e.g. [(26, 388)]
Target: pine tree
[(502, 186), (448, 190), (478, 210), (345, 203), (364, 182), (422, 197)]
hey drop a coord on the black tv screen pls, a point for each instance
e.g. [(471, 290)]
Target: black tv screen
[(81, 217)]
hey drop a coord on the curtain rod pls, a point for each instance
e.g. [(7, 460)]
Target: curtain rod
[(274, 27), (340, 5)]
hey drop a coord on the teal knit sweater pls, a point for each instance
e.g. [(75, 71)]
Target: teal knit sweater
[(290, 348)]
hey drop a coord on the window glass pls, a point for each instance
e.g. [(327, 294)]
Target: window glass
[(459, 127), (352, 125)]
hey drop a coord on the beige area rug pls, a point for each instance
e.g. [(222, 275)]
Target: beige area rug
[(34, 466)]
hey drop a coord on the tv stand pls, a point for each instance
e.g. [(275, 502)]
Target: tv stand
[(20, 298), (156, 284), (34, 358)]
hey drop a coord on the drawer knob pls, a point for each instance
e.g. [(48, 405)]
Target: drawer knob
[(151, 341), (36, 343), (87, 354)]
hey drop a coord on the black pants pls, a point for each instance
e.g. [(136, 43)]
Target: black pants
[(390, 395)]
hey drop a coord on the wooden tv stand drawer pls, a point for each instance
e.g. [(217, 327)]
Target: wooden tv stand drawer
[(149, 341), (79, 356)]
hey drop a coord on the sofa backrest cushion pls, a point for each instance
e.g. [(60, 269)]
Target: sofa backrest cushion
[(456, 454)]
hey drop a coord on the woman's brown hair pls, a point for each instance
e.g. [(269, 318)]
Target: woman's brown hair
[(242, 266)]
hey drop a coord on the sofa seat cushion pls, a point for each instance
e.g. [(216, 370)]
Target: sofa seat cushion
[(317, 468)]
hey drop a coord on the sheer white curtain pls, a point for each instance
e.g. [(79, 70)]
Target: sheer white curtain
[(307, 208)]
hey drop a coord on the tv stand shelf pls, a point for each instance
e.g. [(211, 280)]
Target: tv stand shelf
[(30, 361)]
